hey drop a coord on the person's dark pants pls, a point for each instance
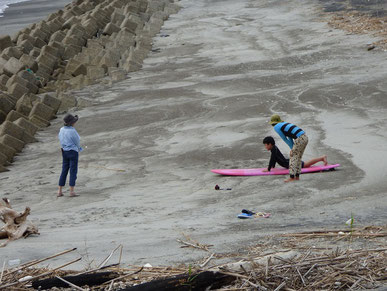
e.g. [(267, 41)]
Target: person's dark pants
[(70, 162)]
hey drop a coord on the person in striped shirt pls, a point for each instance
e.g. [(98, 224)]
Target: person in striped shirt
[(296, 139)]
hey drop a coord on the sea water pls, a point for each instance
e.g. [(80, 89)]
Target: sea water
[(4, 4)]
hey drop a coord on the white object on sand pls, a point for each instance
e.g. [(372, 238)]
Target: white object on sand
[(25, 278)]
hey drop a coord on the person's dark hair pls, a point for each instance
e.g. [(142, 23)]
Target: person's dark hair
[(269, 140)]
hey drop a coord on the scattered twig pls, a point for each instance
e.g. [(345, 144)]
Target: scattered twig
[(108, 257), (119, 260), (311, 268), (302, 278), (207, 261), (2, 272), (196, 246), (280, 286)]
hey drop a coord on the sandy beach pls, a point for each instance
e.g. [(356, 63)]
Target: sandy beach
[(203, 101), (22, 14)]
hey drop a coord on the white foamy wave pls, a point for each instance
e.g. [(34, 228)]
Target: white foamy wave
[(4, 4)]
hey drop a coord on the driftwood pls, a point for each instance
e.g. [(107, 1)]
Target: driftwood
[(16, 224), (33, 278), (94, 279), (191, 282), (294, 263)]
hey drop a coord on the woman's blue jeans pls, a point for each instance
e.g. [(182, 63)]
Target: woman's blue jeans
[(70, 162)]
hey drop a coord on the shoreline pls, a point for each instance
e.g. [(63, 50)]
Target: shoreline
[(20, 15)]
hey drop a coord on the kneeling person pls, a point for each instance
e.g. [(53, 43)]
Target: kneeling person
[(278, 158)]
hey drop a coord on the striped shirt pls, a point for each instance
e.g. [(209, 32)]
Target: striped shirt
[(288, 132)]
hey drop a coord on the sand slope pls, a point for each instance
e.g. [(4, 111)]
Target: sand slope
[(203, 102)]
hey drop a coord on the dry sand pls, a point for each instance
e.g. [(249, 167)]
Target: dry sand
[(201, 102)]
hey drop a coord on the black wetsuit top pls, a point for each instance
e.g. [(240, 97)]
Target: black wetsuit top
[(278, 157)]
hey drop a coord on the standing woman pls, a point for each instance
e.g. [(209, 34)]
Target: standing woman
[(70, 145), (296, 139)]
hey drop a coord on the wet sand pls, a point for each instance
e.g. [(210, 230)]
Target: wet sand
[(20, 15), (202, 102)]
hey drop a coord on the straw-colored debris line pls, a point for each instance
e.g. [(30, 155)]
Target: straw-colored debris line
[(347, 259), (361, 23)]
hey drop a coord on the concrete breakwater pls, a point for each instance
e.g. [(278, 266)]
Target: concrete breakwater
[(72, 48)]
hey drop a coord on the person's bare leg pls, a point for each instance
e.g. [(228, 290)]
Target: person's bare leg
[(60, 193), (289, 180), (315, 161)]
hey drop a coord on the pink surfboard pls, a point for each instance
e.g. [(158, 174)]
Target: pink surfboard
[(275, 171)]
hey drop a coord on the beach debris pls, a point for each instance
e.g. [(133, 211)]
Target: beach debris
[(312, 261), (44, 274), (217, 187), (91, 279), (356, 22), (207, 261), (26, 278), (371, 47), (193, 244), (206, 280), (263, 214), (104, 262), (350, 221), (147, 265), (26, 273), (368, 232), (247, 214), (16, 224), (317, 272)]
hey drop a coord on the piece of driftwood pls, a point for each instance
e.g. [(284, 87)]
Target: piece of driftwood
[(34, 278), (16, 224), (191, 282), (70, 284), (93, 279)]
